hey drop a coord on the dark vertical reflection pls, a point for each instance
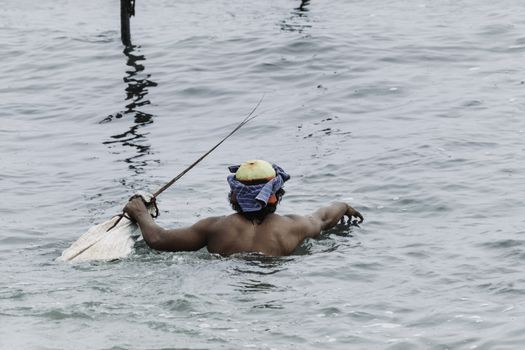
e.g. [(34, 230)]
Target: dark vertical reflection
[(298, 21), (137, 85), (303, 5)]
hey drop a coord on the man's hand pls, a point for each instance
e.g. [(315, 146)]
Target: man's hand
[(351, 212), (135, 208)]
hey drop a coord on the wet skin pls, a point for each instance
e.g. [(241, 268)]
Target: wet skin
[(277, 235)]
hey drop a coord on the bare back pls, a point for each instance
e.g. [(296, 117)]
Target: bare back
[(277, 235)]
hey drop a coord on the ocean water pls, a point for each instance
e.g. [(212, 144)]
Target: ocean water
[(412, 111)]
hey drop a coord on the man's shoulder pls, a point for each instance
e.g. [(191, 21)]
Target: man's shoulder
[(207, 223), (237, 220), (302, 222), (295, 217), (217, 221), (292, 221)]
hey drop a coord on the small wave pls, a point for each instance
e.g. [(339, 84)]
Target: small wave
[(56, 315), (103, 37), (504, 244)]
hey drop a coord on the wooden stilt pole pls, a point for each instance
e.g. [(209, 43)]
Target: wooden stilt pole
[(127, 9)]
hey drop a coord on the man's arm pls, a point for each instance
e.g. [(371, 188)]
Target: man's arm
[(324, 219), (331, 215), (183, 239)]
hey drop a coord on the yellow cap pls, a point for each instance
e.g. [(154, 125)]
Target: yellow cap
[(254, 170)]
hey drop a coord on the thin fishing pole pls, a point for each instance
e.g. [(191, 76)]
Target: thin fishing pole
[(241, 124), (248, 118)]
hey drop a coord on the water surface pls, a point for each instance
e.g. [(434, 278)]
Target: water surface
[(410, 110)]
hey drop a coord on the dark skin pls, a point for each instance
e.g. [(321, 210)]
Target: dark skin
[(277, 235)]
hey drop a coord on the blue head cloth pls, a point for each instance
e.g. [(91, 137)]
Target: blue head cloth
[(254, 197)]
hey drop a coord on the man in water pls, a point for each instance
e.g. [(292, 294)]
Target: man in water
[(256, 189)]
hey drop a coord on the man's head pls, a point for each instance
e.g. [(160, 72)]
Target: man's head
[(256, 188)]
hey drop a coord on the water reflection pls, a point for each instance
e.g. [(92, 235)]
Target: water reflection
[(303, 5), (137, 88), (254, 278), (255, 286), (259, 264), (329, 240), (298, 21)]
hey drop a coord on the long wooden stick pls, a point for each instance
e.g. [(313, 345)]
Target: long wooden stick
[(241, 124), (172, 181)]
